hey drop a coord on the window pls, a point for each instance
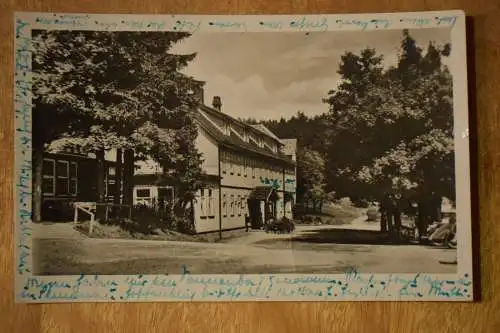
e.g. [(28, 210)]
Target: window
[(48, 182), (73, 178), (231, 202), (243, 205), (62, 181), (245, 166), (253, 166), (143, 196), (238, 205), (166, 193), (110, 182), (211, 206), (203, 208), (143, 193), (224, 204)]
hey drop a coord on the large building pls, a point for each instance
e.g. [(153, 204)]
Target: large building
[(250, 174)]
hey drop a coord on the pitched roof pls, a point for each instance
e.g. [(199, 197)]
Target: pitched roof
[(232, 141), (262, 193), (266, 131), (261, 130)]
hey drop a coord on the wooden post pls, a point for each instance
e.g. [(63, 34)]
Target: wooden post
[(76, 213), (91, 227), (118, 177), (128, 175)]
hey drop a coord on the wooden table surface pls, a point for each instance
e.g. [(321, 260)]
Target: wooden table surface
[(481, 317)]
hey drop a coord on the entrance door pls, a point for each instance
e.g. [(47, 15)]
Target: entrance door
[(255, 213)]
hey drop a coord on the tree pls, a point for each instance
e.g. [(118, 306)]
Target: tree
[(310, 178), (353, 119), (393, 130), (119, 90)]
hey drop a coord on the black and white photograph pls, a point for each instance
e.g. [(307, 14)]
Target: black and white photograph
[(166, 152)]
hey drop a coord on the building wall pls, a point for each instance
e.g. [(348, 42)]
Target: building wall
[(206, 209), (210, 153), (149, 194), (68, 178), (239, 173), (234, 207), (237, 170)]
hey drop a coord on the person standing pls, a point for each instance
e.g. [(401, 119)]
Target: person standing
[(398, 206), (385, 213)]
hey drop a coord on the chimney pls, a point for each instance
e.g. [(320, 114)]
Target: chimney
[(217, 103), (198, 95)]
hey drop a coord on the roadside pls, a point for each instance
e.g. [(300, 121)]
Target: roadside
[(310, 249)]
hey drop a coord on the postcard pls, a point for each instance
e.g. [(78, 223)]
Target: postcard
[(242, 158)]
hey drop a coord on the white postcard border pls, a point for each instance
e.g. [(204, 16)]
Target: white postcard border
[(182, 286)]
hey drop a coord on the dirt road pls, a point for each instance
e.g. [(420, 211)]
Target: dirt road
[(310, 249)]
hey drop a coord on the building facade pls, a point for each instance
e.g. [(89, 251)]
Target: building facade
[(250, 174), (68, 177)]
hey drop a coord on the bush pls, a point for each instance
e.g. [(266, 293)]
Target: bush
[(345, 202), (281, 226), (149, 221)]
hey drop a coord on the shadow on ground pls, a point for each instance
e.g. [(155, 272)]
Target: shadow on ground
[(346, 236)]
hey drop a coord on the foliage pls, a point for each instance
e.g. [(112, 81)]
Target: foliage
[(397, 125), (387, 128), (118, 90), (310, 177)]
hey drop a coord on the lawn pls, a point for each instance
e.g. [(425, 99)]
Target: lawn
[(332, 214), (114, 231)]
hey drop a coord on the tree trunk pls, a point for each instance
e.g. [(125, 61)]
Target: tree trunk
[(101, 174), (37, 182), (101, 185), (118, 181), (128, 177), (320, 206)]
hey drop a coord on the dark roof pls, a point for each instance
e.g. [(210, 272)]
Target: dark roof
[(257, 129), (232, 141), (262, 192), (267, 132)]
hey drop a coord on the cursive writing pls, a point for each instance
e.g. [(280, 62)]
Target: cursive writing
[(351, 285), (309, 24)]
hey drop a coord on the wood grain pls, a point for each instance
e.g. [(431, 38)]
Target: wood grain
[(481, 317)]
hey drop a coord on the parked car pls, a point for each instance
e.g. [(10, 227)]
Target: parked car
[(372, 213)]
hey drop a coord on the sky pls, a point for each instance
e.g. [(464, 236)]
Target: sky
[(272, 75)]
